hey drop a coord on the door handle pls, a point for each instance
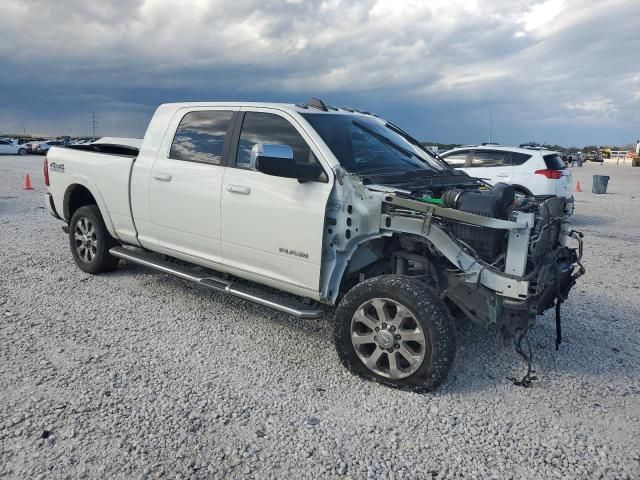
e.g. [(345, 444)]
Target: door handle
[(241, 189), (163, 177), (502, 175)]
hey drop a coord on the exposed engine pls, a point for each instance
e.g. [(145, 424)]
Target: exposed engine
[(550, 268), (487, 243)]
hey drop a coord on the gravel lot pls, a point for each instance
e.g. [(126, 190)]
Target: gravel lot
[(135, 374)]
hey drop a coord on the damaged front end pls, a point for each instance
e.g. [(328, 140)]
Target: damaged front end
[(499, 258)]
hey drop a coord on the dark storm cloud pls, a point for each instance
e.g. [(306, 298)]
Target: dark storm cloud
[(561, 71)]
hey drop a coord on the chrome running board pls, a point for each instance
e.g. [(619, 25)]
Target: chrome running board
[(215, 283)]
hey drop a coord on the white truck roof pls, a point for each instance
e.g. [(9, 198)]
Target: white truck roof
[(290, 107)]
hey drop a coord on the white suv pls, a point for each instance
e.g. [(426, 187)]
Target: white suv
[(532, 171)]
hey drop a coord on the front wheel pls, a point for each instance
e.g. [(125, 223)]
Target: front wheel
[(90, 241), (22, 152), (397, 331)]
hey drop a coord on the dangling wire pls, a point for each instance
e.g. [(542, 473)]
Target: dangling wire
[(558, 324), (528, 378)]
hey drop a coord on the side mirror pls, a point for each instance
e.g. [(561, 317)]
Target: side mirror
[(277, 160)]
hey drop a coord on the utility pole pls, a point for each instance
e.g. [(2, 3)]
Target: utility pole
[(94, 123)]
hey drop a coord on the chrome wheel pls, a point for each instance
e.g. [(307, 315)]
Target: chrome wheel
[(85, 240), (387, 338)]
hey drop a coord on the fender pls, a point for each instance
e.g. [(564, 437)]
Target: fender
[(76, 179)]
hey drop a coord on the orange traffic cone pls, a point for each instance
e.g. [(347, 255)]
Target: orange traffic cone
[(578, 189), (27, 182)]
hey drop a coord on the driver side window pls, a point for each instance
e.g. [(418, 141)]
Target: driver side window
[(268, 128)]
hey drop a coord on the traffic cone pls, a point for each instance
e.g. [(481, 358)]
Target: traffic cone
[(578, 189), (27, 183)]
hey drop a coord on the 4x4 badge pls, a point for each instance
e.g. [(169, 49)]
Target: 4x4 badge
[(57, 167)]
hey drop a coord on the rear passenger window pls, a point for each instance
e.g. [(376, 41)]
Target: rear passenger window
[(259, 127), (554, 162), (490, 158), (519, 158), (200, 137), (457, 159)]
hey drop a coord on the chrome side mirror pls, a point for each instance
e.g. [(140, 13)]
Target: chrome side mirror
[(277, 160)]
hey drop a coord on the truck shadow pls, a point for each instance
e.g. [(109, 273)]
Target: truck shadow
[(582, 220), (590, 349), (484, 361)]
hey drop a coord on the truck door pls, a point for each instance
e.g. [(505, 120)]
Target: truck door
[(186, 179), (272, 226)]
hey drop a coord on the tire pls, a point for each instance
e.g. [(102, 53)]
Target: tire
[(425, 318), (90, 241), (22, 152)]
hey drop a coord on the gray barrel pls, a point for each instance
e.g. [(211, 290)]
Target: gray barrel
[(600, 183), (579, 161)]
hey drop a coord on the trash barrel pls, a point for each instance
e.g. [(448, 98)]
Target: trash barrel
[(600, 183), (579, 161)]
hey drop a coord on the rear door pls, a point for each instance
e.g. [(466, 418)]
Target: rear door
[(523, 171), (272, 227), (492, 166), (186, 179), (5, 147)]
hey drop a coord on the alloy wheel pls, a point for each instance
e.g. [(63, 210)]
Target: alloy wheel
[(85, 240), (387, 338)]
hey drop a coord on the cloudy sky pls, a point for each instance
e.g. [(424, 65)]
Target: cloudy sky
[(556, 71)]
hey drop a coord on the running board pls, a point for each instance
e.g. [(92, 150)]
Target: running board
[(215, 283)]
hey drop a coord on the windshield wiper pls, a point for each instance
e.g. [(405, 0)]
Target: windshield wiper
[(400, 178)]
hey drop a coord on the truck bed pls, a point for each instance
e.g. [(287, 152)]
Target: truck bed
[(104, 170)]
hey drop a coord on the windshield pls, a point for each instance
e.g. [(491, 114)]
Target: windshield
[(369, 145)]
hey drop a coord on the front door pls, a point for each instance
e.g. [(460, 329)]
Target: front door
[(272, 227), (185, 184)]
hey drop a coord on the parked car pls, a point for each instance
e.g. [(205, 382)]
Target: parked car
[(41, 148), (330, 206), (12, 147), (30, 146), (594, 156), (531, 171)]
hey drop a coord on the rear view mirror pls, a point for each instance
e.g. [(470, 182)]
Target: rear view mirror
[(277, 160)]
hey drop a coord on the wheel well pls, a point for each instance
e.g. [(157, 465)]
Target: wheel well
[(75, 197)]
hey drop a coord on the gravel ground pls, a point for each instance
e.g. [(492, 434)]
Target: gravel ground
[(135, 374)]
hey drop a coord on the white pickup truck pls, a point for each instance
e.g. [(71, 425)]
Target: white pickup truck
[(304, 207)]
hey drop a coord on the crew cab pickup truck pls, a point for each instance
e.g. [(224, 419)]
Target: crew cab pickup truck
[(305, 207)]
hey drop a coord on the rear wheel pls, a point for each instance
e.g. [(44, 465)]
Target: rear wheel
[(397, 331), (90, 241)]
